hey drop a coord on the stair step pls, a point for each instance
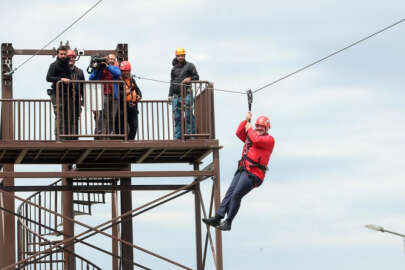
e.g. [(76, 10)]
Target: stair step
[(58, 233), (79, 213), (50, 261), (45, 243), (83, 202)]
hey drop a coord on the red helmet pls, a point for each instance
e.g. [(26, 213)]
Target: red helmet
[(71, 53), (125, 66), (263, 121)]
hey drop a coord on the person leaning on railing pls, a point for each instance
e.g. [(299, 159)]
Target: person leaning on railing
[(75, 107), (183, 72), (107, 71), (132, 95), (59, 71)]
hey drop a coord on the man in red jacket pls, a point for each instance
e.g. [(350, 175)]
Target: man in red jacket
[(251, 169)]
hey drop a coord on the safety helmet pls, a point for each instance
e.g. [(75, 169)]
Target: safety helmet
[(71, 53), (180, 51), (263, 121), (125, 66)]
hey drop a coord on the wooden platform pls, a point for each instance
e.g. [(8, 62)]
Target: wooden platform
[(108, 152)]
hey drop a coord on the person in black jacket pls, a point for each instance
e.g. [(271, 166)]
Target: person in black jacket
[(132, 94), (76, 98), (183, 72), (60, 71)]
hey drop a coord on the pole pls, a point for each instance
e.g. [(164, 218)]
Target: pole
[(197, 206), (218, 233), (68, 226)]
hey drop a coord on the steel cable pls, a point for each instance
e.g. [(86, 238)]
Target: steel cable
[(330, 55), (64, 31)]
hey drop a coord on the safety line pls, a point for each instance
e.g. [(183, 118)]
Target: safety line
[(64, 31), (162, 81), (330, 55)]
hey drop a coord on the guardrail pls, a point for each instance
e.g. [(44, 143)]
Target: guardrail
[(81, 110)]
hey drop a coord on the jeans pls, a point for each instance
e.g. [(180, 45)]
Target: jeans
[(189, 116), (241, 185)]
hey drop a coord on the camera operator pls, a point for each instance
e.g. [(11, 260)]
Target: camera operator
[(107, 71), (59, 71)]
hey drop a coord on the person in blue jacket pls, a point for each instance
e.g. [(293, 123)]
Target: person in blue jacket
[(107, 71)]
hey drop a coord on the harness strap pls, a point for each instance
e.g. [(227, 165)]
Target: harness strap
[(242, 163)]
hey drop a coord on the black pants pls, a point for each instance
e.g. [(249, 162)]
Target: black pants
[(132, 122)]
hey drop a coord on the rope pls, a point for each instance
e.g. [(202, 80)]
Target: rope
[(330, 55), (161, 81), (47, 44)]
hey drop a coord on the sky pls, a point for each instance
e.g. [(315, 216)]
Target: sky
[(338, 126)]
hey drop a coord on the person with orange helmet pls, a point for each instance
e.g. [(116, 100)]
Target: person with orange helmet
[(76, 102), (257, 149), (183, 72), (132, 94)]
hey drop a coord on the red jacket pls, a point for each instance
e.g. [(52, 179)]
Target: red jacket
[(260, 149)]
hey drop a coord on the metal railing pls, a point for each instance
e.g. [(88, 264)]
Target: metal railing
[(39, 230), (81, 110), (198, 108)]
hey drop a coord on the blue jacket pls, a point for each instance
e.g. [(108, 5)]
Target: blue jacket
[(116, 75)]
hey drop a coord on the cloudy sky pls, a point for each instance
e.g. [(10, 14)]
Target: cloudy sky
[(339, 130)]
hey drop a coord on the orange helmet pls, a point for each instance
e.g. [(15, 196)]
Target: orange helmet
[(71, 53), (125, 66), (180, 51), (263, 121)]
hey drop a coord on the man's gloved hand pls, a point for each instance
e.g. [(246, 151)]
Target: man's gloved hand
[(248, 116), (170, 99)]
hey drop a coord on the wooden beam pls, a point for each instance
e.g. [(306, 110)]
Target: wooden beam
[(126, 154), (21, 156), (100, 174), (64, 155), (2, 153), (161, 153), (88, 189), (37, 155), (186, 153), (144, 156), (99, 155), (83, 156)]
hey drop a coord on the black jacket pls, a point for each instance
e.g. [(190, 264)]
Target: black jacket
[(77, 74), (58, 70), (179, 73)]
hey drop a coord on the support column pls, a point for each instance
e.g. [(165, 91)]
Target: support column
[(7, 246), (114, 214), (7, 223), (217, 200), (197, 206), (68, 226), (127, 252)]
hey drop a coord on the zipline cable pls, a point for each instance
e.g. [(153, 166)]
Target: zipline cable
[(47, 44), (330, 55), (162, 81)]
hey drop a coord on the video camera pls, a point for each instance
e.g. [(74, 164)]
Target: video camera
[(96, 62)]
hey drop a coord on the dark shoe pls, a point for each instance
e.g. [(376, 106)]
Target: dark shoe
[(225, 226), (213, 221)]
